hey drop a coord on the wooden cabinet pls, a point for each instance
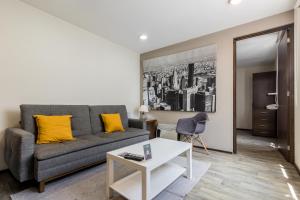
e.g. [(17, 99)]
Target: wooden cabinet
[(264, 121), (152, 127)]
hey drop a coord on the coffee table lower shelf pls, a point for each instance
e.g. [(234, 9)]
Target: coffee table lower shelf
[(130, 187)]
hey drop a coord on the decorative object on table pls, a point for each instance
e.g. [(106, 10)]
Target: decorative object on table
[(147, 151), (191, 128), (143, 109), (184, 81), (152, 127)]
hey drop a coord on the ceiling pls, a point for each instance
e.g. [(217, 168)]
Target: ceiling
[(165, 21), (257, 51)]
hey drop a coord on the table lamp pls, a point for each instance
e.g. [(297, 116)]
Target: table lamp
[(143, 109)]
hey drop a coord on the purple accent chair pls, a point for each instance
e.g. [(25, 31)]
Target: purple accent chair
[(189, 129)]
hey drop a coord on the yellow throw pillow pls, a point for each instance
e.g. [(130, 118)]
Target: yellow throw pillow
[(112, 122), (52, 129)]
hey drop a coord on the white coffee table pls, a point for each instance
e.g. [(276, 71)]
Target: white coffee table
[(152, 176)]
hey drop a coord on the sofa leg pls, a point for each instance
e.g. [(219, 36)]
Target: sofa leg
[(41, 186)]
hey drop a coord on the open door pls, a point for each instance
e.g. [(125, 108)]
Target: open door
[(285, 114), (285, 89)]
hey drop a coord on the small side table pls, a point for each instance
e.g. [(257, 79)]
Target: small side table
[(152, 127)]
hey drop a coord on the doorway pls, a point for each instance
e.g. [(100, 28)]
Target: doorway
[(263, 95)]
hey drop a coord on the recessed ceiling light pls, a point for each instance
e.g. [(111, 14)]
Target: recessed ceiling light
[(143, 37), (234, 2)]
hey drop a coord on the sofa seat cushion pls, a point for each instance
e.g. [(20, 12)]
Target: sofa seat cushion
[(127, 134), (46, 151), (58, 165)]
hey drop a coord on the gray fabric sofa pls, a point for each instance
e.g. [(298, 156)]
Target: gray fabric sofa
[(27, 160)]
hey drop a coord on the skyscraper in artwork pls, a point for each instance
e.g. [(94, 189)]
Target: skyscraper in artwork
[(191, 68)]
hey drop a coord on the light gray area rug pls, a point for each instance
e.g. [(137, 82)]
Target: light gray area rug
[(89, 184)]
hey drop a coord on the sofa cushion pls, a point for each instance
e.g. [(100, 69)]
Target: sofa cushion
[(127, 134), (80, 116), (58, 165), (95, 111), (53, 129), (112, 122), (46, 151)]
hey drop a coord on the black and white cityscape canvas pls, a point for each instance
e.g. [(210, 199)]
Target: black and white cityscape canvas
[(184, 81)]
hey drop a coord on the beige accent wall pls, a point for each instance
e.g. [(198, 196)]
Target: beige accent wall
[(244, 91), (45, 60), (297, 86), (219, 134)]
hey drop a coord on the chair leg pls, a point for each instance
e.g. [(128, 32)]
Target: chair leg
[(203, 144)]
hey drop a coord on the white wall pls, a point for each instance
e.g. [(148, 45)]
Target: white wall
[(45, 60), (219, 134), (297, 86), (244, 94)]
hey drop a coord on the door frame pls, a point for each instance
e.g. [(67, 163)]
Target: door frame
[(291, 103)]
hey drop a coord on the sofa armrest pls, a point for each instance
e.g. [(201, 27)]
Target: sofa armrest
[(136, 123), (19, 150)]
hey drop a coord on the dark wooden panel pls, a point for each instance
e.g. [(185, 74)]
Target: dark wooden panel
[(264, 114), (263, 83), (265, 126), (152, 127), (284, 95), (263, 133), (264, 121)]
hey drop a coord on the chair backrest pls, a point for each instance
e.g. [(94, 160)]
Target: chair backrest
[(200, 117)]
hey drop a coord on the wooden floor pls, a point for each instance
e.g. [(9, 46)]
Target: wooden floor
[(257, 171)]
